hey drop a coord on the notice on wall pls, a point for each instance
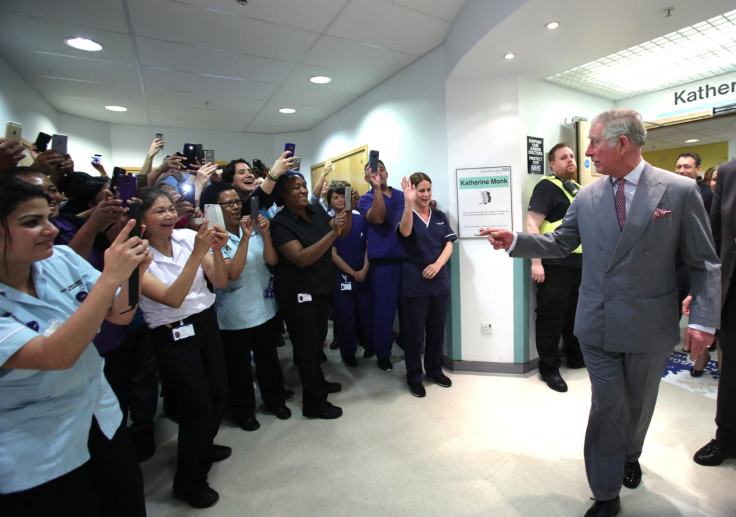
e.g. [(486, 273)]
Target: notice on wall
[(483, 199), (535, 154)]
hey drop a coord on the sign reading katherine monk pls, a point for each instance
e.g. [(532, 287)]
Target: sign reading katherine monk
[(483, 199)]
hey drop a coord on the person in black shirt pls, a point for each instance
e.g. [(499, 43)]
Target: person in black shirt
[(558, 280), (303, 234)]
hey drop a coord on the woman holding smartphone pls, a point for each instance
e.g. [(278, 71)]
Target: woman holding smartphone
[(426, 238), (178, 306), (63, 450), (246, 311)]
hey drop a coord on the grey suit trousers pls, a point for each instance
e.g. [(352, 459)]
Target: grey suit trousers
[(624, 391)]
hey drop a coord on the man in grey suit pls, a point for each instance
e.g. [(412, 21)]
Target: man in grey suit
[(723, 221), (627, 315)]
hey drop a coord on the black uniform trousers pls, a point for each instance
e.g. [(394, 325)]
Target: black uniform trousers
[(238, 345), (557, 300), (306, 323), (195, 368), (726, 403)]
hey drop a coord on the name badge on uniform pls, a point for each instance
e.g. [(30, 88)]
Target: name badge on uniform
[(268, 293), (182, 332), (303, 297), (346, 286)]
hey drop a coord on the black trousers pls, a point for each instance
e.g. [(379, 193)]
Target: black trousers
[(726, 403), (238, 345), (195, 368), (307, 323), (110, 484), (424, 322), (557, 300)]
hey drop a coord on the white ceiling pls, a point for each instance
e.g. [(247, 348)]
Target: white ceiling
[(214, 64)]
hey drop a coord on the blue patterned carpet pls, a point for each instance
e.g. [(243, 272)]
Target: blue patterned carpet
[(678, 373)]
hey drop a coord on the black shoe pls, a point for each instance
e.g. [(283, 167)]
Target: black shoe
[(368, 353), (696, 373), (714, 453), (632, 474), (440, 379), (417, 389), (143, 443), (352, 362), (385, 364), (288, 394), (201, 496), (333, 387), (220, 452), (281, 412), (554, 381), (334, 345), (247, 422), (327, 412), (605, 508)]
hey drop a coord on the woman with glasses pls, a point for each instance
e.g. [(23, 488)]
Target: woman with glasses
[(246, 311)]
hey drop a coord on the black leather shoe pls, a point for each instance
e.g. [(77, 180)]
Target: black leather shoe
[(333, 387), (554, 381), (334, 345), (200, 496), (281, 412), (352, 362), (327, 412), (696, 373), (440, 379), (288, 394), (368, 353), (385, 364), (605, 508), (220, 452), (714, 453), (632, 474), (417, 389), (247, 422)]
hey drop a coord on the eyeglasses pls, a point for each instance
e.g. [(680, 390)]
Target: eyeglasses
[(231, 204)]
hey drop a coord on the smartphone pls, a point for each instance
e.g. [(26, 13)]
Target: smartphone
[(190, 155), (126, 187), (58, 142), (116, 173), (42, 142), (297, 164), (213, 214), (373, 160), (257, 164), (96, 159), (160, 136), (136, 213), (289, 147), (209, 156), (348, 199), (13, 131), (187, 192), (254, 208)]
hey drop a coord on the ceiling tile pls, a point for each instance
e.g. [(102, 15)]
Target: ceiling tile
[(444, 9), (342, 80), (208, 86), (356, 57), (107, 14)]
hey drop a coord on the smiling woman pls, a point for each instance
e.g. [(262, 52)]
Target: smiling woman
[(52, 388)]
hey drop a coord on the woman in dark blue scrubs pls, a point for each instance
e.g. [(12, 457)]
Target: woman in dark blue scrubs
[(426, 238)]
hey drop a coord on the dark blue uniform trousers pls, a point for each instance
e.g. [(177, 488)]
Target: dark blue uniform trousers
[(423, 316)]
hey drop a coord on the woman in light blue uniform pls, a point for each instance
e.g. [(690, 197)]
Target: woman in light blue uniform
[(63, 450), (426, 238), (246, 312)]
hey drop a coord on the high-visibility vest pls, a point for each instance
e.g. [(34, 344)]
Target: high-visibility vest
[(549, 226)]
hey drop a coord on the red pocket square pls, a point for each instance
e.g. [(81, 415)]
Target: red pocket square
[(661, 214)]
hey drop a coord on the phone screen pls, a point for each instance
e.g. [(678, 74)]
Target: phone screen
[(348, 199), (96, 159)]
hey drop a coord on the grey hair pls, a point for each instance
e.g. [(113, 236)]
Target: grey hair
[(622, 122)]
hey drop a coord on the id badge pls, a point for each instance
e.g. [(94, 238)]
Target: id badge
[(346, 286), (303, 297), (182, 332)]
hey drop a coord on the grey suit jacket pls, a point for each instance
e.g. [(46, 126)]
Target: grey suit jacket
[(628, 295)]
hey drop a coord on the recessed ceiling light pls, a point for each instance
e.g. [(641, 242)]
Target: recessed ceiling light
[(510, 55), (320, 79), (116, 108), (692, 141), (287, 110), (552, 25), (83, 44)]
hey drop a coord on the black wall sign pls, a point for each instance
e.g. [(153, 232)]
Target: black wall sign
[(535, 154)]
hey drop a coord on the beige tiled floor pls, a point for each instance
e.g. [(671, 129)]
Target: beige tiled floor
[(489, 445)]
